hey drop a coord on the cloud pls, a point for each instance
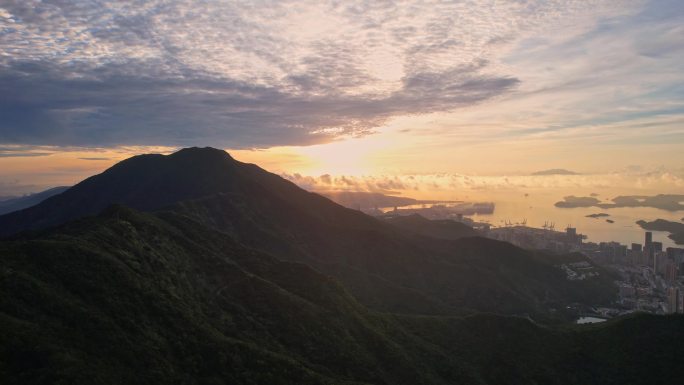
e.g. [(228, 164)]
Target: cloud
[(115, 108), (22, 154), (14, 188), (327, 182), (657, 180), (22, 151), (255, 74)]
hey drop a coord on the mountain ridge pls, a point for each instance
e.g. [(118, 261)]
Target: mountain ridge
[(383, 267)]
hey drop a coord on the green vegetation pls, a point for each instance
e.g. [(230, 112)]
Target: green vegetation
[(129, 297)]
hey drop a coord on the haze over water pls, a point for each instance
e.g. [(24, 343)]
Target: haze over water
[(532, 197), (539, 208)]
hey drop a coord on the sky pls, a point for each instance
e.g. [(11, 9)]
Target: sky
[(375, 95)]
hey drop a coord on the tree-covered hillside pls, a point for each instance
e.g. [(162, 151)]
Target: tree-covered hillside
[(129, 297)]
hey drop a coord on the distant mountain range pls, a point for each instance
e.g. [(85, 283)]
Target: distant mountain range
[(195, 268), (18, 203), (555, 171)]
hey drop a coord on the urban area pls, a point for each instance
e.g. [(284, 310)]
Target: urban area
[(651, 278)]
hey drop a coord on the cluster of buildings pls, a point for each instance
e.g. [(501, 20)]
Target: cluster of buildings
[(579, 271), (545, 238), (652, 278)]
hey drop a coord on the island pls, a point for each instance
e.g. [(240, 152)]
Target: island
[(572, 201), (675, 229), (668, 202), (554, 171), (597, 215)]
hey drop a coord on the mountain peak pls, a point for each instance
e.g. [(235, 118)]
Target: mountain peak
[(201, 152), (143, 182)]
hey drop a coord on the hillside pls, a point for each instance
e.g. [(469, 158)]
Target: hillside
[(379, 264), (135, 298), (130, 298), (440, 228)]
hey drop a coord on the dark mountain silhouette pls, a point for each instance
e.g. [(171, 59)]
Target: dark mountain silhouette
[(381, 266), (144, 182), (440, 228), (377, 262), (19, 203)]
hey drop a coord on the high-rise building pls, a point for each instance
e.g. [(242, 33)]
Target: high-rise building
[(657, 246), (675, 252), (673, 301), (671, 271), (659, 262), (648, 248), (636, 254)]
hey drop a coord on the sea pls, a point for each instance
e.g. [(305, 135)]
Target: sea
[(538, 209)]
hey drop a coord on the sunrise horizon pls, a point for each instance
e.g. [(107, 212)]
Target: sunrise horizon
[(360, 90)]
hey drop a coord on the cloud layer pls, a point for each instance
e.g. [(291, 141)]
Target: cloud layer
[(448, 185), (264, 73)]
